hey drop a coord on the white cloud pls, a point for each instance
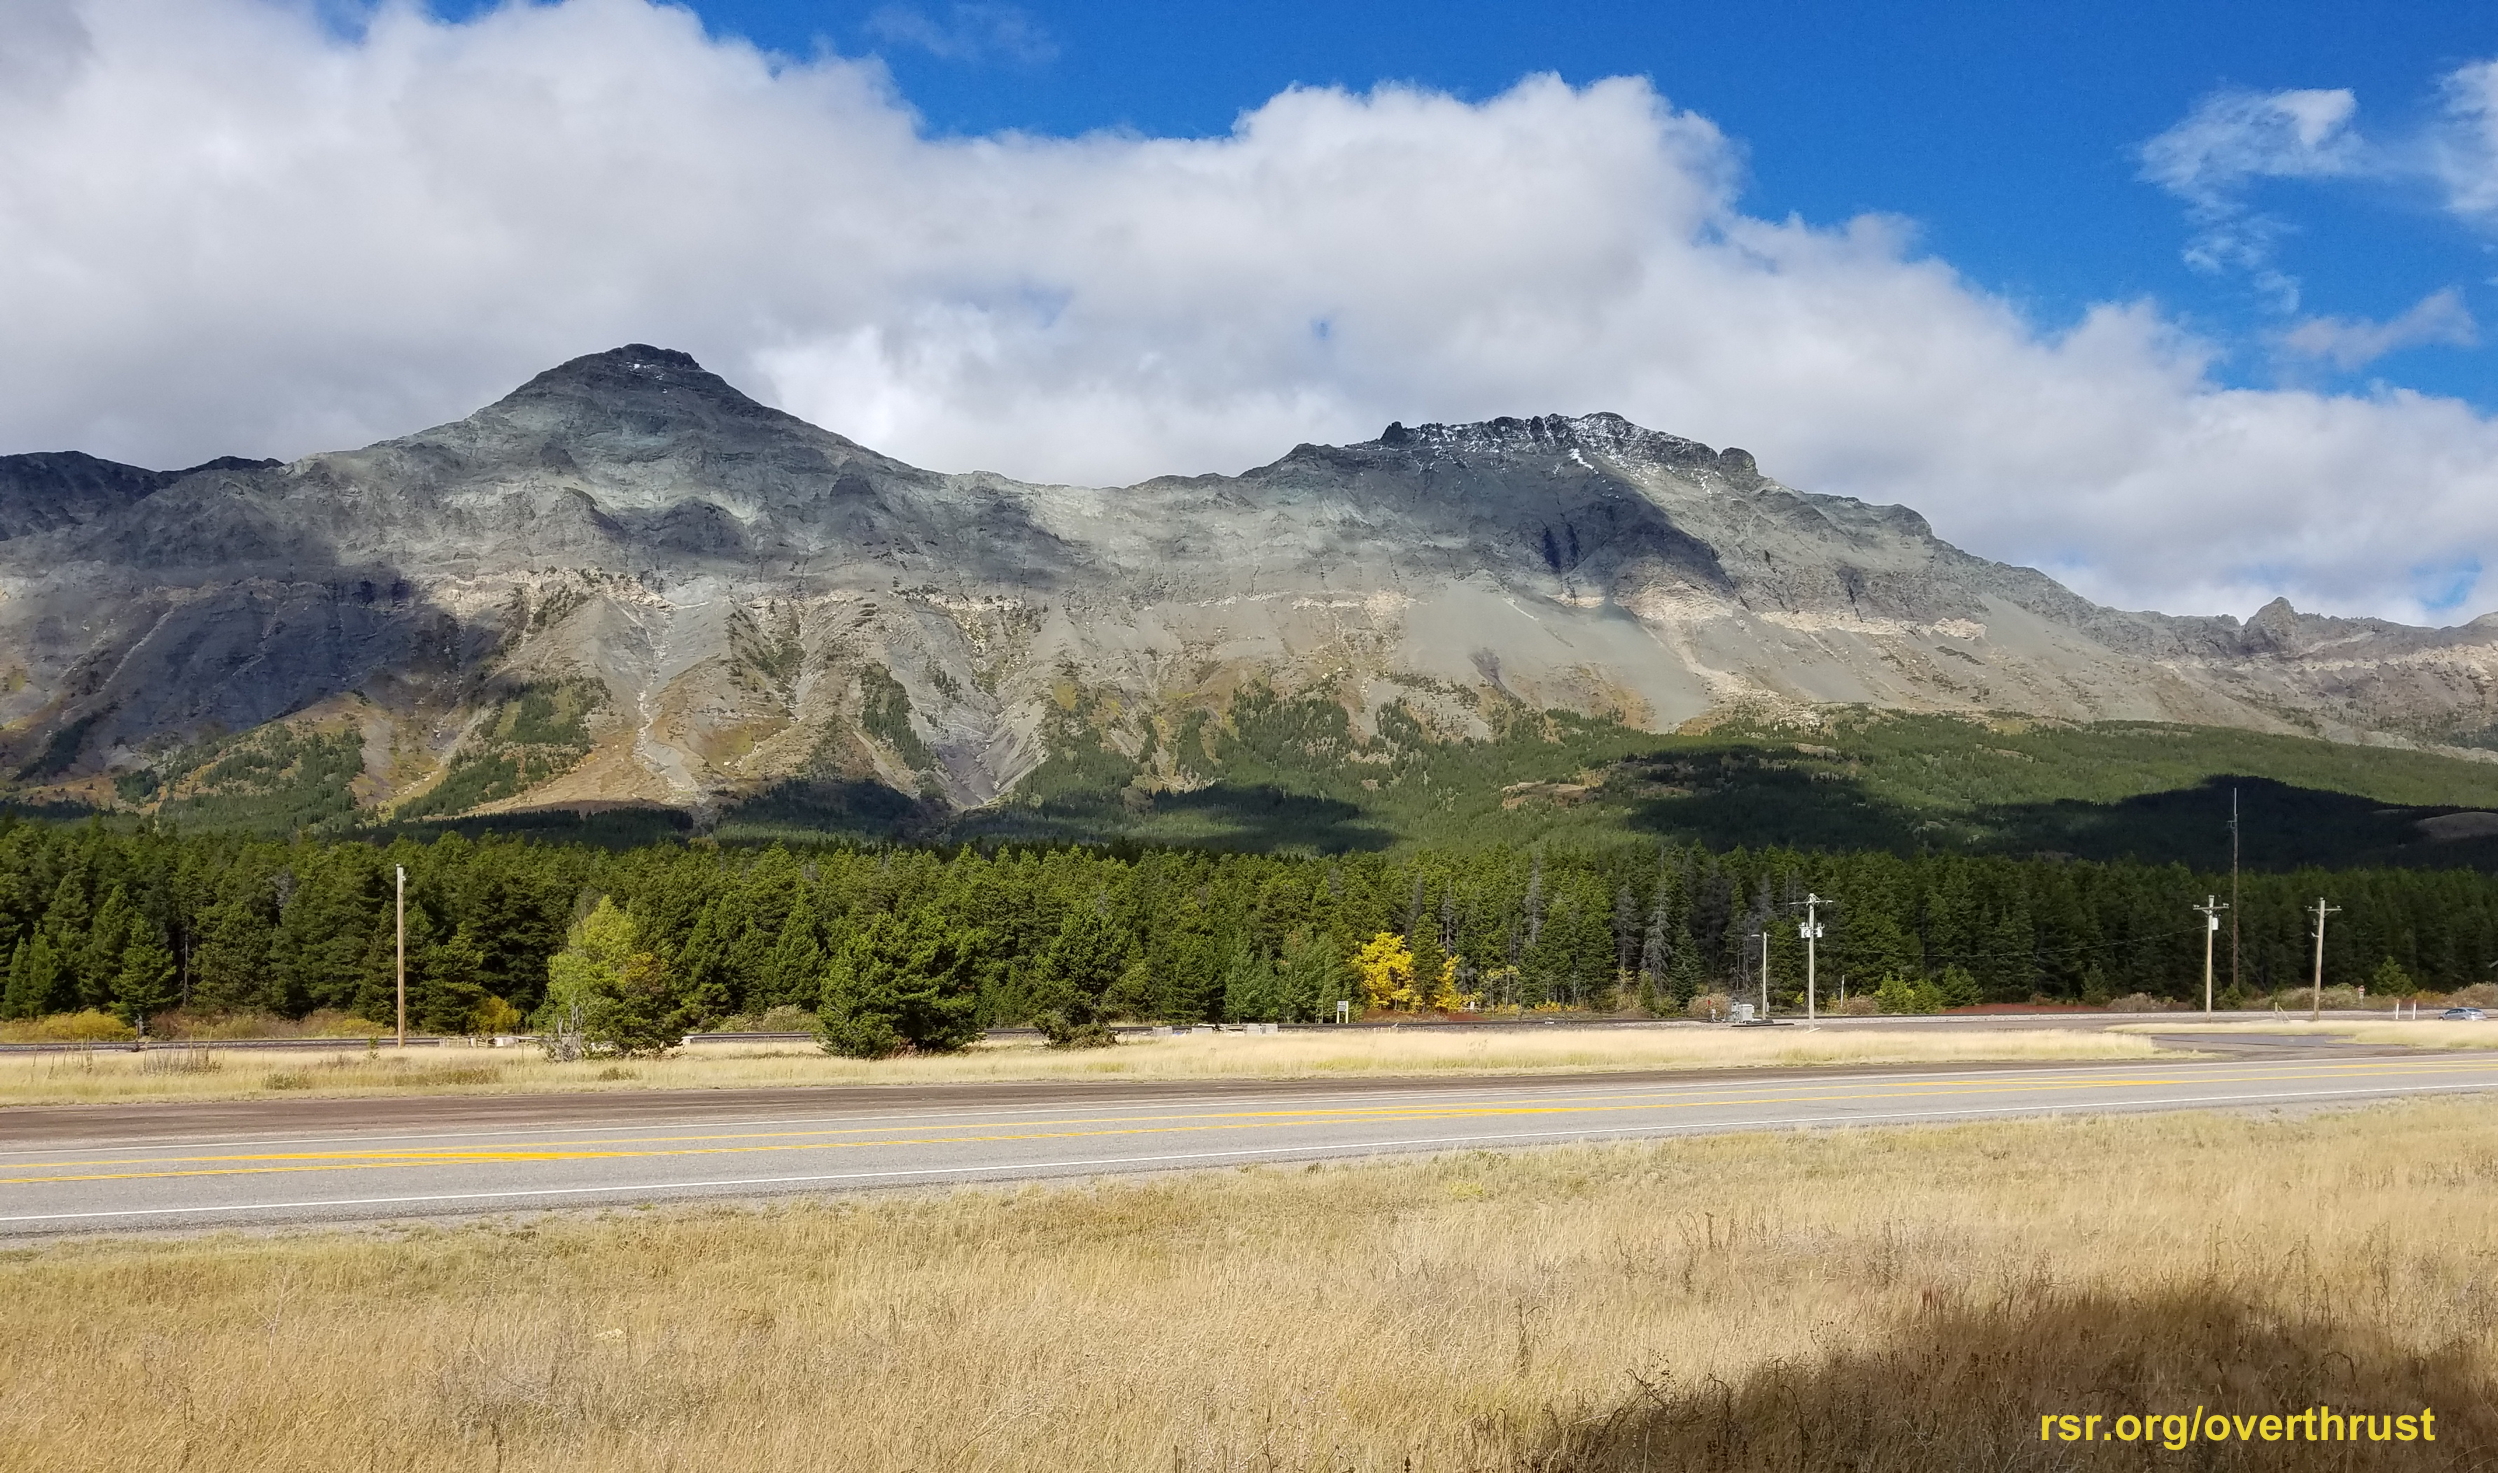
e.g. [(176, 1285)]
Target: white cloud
[(226, 228), (968, 33), (2348, 342), (2463, 150), (2234, 138)]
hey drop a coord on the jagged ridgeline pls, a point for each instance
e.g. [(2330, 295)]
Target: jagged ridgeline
[(627, 589)]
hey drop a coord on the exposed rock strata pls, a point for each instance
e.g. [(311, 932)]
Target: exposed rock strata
[(757, 598)]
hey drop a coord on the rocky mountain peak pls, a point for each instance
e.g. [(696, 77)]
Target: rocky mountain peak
[(637, 390), (1604, 433), (2274, 629)]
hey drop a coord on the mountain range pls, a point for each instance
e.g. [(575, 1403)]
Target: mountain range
[(627, 584)]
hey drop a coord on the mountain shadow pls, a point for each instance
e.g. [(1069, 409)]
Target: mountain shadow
[(2283, 826), (1257, 818), (1963, 1387)]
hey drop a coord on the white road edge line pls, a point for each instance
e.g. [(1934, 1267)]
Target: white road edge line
[(1388, 1145)]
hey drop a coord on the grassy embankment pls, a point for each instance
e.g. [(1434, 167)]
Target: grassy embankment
[(1882, 1299), (177, 1073)]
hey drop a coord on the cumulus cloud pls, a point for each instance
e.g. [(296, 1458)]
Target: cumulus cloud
[(226, 228)]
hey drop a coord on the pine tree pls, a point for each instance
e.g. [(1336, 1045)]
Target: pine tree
[(704, 965), (230, 959), (902, 982), (69, 923), (1654, 943), (1311, 977), (99, 960), (1249, 992), (144, 986), (1626, 933), (1432, 966), (794, 974), (31, 977), (445, 988), (1072, 985)]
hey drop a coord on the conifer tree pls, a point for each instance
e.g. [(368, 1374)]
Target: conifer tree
[(1072, 985), (902, 982), (1311, 977), (37, 980), (794, 973), (99, 960), (144, 986), (1249, 991)]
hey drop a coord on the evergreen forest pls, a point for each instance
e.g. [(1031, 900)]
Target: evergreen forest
[(136, 922)]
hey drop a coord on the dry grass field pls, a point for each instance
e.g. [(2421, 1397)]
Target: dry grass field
[(2424, 1033), (1871, 1300), (180, 1073)]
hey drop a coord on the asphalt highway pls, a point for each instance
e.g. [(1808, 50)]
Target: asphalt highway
[(102, 1170)]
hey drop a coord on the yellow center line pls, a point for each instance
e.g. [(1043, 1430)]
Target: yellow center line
[(273, 1163), (1708, 1093)]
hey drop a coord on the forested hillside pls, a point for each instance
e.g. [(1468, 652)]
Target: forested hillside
[(140, 922)]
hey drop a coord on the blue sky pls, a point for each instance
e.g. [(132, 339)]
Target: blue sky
[(2010, 134), (2190, 306)]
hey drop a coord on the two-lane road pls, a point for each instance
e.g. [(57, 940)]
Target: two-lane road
[(320, 1161)]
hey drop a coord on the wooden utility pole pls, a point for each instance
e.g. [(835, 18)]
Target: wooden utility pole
[(1811, 930), (2316, 1006), (403, 953), (2233, 890), (2210, 909), (1763, 935)]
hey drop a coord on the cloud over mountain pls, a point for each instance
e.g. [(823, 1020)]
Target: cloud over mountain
[(225, 227)]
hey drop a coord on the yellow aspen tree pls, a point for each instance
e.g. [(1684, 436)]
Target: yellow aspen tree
[(1386, 970), (1444, 994)]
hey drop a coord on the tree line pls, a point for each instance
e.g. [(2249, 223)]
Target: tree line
[(139, 922)]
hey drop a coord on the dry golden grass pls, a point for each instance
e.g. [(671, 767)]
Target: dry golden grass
[(188, 1074), (2423, 1033), (1890, 1299)]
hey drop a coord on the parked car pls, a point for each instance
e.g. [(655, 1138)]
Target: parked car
[(2464, 1015)]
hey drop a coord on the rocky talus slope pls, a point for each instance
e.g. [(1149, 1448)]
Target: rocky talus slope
[(628, 583)]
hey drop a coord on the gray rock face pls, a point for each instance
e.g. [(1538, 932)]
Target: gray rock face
[(749, 592), (67, 488)]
